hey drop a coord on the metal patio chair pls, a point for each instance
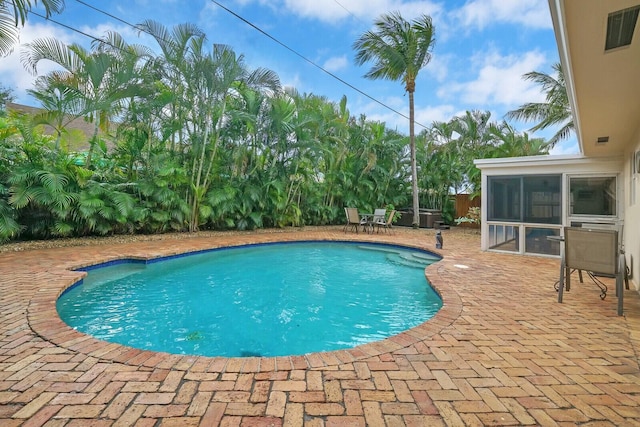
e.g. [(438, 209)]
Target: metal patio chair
[(353, 219), (597, 252)]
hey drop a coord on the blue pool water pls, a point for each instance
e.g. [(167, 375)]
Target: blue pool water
[(258, 300)]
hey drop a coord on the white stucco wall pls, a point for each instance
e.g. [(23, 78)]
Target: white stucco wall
[(632, 211), (562, 165)]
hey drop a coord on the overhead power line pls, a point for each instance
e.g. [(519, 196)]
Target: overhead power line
[(246, 21), (295, 52), (68, 27), (104, 12), (347, 10)]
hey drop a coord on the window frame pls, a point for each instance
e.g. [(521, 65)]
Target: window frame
[(582, 216), (524, 199)]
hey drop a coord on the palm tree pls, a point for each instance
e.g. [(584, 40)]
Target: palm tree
[(61, 104), (399, 50), (172, 69), (554, 111), (14, 13), (511, 143), (101, 80)]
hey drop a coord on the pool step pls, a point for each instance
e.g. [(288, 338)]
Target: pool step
[(100, 276), (426, 257), (407, 261), (380, 249), (422, 256), (424, 261)]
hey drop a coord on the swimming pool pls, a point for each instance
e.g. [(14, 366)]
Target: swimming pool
[(257, 300)]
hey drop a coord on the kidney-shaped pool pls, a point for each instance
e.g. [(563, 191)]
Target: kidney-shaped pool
[(276, 299)]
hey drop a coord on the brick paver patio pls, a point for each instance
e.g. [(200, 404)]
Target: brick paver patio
[(502, 351)]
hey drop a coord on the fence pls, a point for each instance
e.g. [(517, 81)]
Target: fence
[(462, 203)]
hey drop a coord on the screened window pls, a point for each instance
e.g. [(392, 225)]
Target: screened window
[(536, 240), (595, 196), (504, 237), (527, 198), (504, 199)]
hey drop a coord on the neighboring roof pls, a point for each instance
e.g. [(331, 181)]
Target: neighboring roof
[(78, 123), (603, 85), (82, 127)]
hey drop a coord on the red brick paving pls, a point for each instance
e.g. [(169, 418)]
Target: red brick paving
[(501, 351)]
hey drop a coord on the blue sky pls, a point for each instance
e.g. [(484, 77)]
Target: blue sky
[(482, 49)]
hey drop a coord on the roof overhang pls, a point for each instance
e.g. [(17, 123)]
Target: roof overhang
[(603, 86), (550, 164)]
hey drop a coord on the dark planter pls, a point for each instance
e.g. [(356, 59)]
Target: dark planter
[(428, 218)]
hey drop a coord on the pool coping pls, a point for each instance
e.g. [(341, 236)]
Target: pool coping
[(44, 320)]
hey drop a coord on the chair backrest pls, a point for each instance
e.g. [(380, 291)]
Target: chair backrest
[(390, 218), (352, 215), (591, 249), (618, 226), (378, 215)]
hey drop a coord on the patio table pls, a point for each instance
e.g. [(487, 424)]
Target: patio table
[(367, 218)]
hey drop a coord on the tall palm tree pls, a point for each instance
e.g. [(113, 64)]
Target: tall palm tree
[(399, 50), (14, 13), (172, 68), (556, 110)]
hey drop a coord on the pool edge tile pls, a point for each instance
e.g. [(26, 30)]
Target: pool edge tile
[(44, 320)]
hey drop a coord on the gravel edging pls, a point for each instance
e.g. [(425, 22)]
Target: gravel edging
[(129, 238)]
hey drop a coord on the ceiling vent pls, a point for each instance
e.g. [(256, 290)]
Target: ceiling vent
[(602, 140), (620, 27)]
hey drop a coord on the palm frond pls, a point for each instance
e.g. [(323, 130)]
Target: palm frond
[(555, 111)]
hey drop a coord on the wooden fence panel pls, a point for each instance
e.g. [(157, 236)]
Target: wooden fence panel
[(462, 203)]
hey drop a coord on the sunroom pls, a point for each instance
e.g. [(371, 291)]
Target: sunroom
[(527, 199)]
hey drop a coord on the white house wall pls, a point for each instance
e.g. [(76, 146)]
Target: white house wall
[(632, 210), (565, 166)]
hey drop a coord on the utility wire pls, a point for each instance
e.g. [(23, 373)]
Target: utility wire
[(70, 28), (347, 10), (278, 42), (110, 15), (313, 63), (246, 22)]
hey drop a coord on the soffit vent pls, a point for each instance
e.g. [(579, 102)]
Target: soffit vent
[(620, 27)]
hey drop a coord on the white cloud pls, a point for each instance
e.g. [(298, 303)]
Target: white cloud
[(292, 82), (499, 81), (566, 147), (336, 63), (100, 31), (424, 115), (438, 68), (482, 13), (13, 74), (438, 113), (332, 11)]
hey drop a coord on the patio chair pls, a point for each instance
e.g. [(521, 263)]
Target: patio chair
[(595, 251), (353, 219), (386, 224), (378, 216)]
